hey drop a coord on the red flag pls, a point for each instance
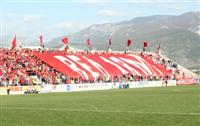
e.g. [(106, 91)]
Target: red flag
[(41, 40), (146, 44), (129, 42), (110, 42), (88, 42), (65, 40), (14, 42)]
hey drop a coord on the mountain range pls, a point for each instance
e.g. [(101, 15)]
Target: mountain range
[(178, 35)]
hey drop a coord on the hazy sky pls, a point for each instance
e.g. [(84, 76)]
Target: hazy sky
[(30, 18)]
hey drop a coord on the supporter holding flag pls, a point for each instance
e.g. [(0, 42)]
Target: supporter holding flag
[(158, 46), (110, 42), (66, 42), (109, 45), (158, 49), (146, 44), (41, 41), (14, 43), (66, 47), (129, 42), (89, 43)]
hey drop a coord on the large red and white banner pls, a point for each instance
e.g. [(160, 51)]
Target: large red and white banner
[(186, 81), (94, 65)]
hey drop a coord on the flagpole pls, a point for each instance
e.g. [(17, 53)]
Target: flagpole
[(109, 45)]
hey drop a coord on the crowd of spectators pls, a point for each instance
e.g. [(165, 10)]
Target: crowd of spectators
[(22, 67)]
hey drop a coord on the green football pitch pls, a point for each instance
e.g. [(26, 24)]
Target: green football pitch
[(163, 106)]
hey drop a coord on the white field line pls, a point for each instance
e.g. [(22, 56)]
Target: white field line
[(95, 109), (93, 106)]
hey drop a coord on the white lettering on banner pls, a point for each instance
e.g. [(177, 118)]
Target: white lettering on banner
[(125, 65), (116, 65), (158, 70), (98, 66), (136, 64), (85, 66), (72, 65), (95, 86), (143, 64), (141, 84)]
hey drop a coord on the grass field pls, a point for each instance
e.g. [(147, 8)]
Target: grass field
[(164, 106)]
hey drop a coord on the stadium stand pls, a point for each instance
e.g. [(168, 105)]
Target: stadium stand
[(35, 66)]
